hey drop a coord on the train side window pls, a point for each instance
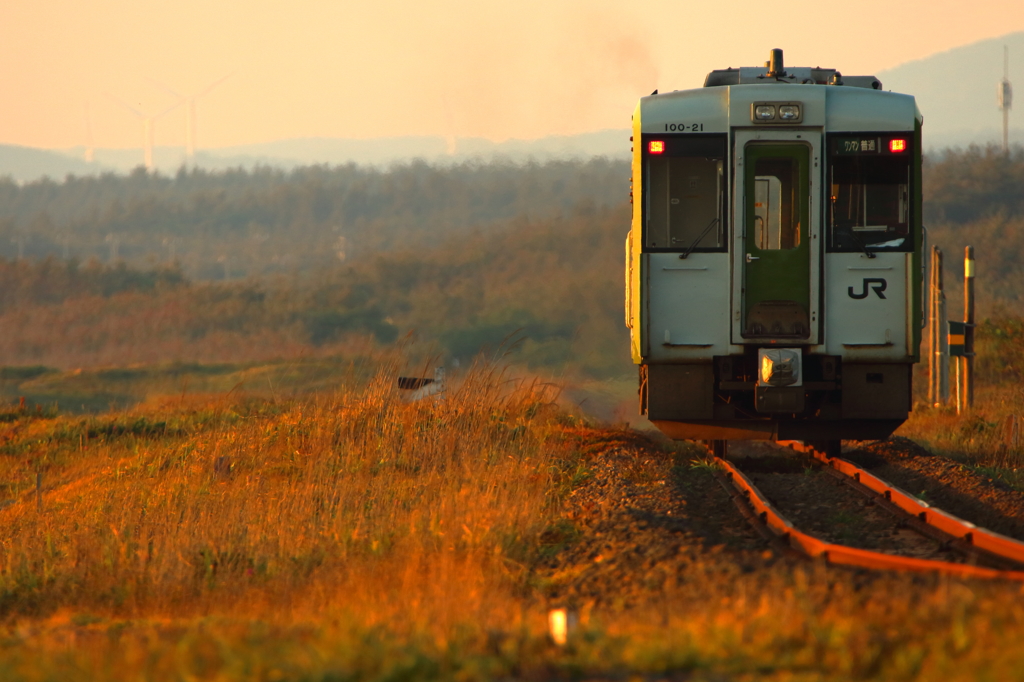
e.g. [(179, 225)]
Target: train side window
[(685, 196), (870, 206)]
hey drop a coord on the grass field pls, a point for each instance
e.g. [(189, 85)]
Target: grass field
[(100, 390), (254, 517), (982, 436), (344, 534)]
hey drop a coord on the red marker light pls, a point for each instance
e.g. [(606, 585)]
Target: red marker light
[(897, 145), (656, 147)]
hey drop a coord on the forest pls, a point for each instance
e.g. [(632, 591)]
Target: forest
[(235, 224), (460, 259)]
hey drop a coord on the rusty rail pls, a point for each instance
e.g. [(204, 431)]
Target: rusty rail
[(850, 556), (983, 539)]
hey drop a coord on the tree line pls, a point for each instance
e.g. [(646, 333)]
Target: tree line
[(239, 223)]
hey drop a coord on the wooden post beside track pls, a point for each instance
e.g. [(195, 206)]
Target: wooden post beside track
[(968, 362)]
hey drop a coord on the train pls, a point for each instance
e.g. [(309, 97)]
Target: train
[(774, 270)]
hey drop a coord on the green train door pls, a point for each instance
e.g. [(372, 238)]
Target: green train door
[(777, 254)]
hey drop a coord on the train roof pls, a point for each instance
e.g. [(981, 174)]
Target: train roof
[(801, 75), (828, 99), (774, 71)]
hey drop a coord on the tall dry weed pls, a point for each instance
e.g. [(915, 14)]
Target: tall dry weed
[(990, 433), (356, 501)]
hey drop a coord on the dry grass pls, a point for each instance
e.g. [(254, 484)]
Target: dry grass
[(991, 433), (355, 536), (357, 508), (982, 436)]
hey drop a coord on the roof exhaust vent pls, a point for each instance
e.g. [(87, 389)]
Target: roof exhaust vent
[(775, 65)]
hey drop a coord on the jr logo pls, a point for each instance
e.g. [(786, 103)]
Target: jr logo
[(877, 285)]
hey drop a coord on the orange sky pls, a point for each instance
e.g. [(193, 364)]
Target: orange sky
[(493, 69)]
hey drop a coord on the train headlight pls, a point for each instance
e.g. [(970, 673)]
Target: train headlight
[(780, 367), (789, 112), (777, 112)]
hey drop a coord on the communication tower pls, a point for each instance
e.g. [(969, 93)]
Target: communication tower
[(1004, 95)]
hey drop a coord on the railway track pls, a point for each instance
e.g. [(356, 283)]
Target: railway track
[(882, 527)]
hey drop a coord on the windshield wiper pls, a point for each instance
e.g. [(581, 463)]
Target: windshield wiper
[(862, 245), (691, 247)]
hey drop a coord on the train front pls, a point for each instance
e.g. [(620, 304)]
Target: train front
[(774, 263)]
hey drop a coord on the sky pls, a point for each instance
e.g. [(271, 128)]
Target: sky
[(455, 68)]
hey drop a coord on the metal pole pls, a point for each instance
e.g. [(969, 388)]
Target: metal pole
[(933, 333), (941, 337), (943, 350), (959, 388), (969, 326), (1006, 131), (932, 322)]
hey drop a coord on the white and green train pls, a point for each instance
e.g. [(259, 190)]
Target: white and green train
[(774, 270)]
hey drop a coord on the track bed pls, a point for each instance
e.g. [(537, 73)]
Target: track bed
[(824, 507)]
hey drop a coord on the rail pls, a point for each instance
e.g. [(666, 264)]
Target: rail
[(849, 556), (982, 538)]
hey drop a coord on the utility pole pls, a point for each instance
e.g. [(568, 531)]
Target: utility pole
[(1004, 94), (115, 244)]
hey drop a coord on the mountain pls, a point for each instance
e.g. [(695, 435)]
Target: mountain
[(379, 152), (956, 91)]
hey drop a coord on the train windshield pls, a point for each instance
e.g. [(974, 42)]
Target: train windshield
[(685, 193), (870, 194)]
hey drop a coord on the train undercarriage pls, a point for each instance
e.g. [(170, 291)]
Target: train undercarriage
[(724, 400)]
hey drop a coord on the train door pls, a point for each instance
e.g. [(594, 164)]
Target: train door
[(779, 241)]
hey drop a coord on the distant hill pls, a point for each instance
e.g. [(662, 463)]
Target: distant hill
[(956, 91), (385, 151), (380, 152), (24, 164)]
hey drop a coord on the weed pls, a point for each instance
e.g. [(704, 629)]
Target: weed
[(842, 517), (557, 537), (708, 465)]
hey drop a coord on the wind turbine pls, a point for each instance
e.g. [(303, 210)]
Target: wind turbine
[(191, 113), (451, 142), (90, 147), (148, 127)]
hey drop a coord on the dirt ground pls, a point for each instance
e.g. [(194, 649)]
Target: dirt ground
[(647, 513), (642, 517)]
